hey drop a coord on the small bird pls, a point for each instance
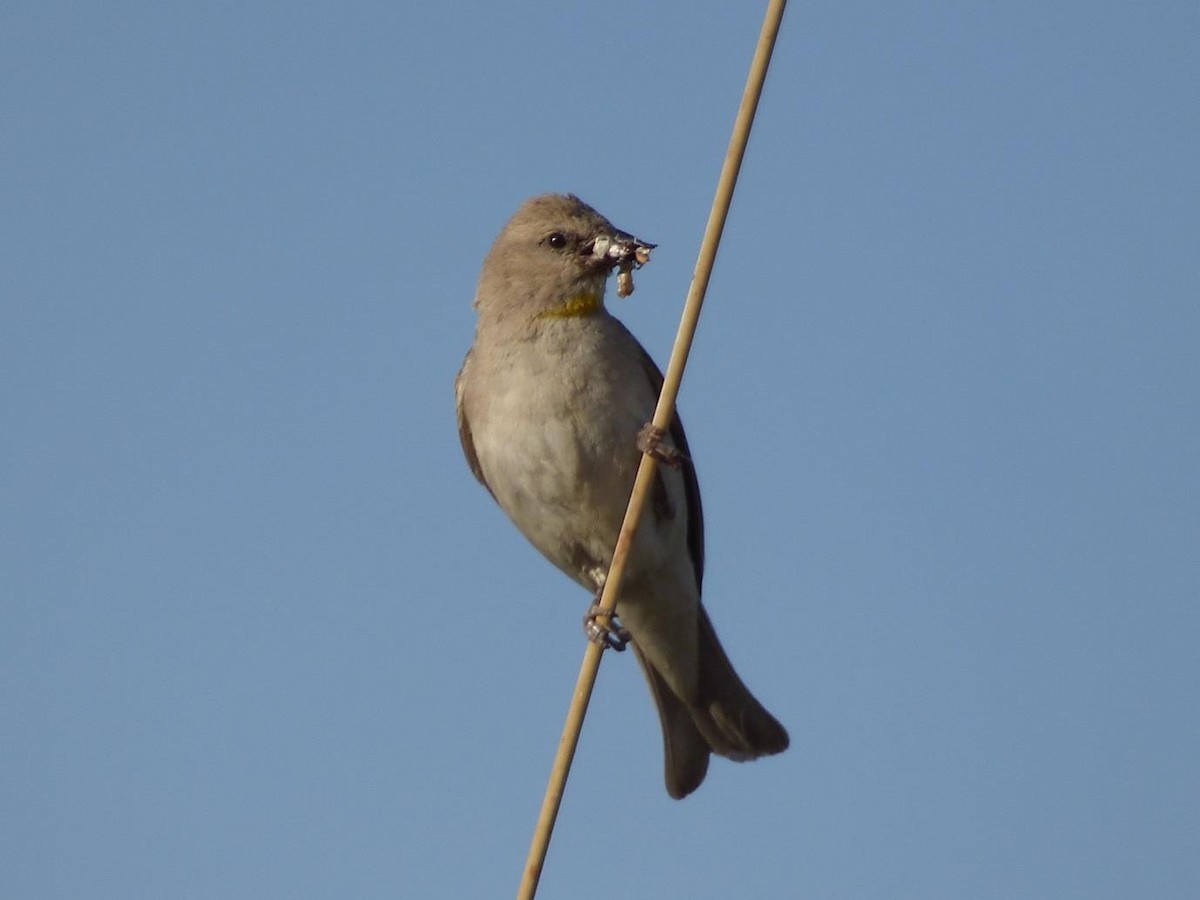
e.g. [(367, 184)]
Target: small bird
[(551, 399)]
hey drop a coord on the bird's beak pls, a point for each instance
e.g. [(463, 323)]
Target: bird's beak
[(618, 249)]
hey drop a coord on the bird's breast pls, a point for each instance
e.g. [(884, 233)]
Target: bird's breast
[(556, 441)]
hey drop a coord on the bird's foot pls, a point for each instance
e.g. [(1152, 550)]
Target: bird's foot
[(607, 634), (650, 441)]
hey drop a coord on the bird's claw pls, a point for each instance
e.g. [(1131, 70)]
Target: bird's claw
[(612, 634), (650, 441)]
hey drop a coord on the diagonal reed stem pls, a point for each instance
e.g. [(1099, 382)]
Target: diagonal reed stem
[(663, 414)]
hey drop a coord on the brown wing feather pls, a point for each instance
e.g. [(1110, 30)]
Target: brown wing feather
[(464, 427), (691, 487)]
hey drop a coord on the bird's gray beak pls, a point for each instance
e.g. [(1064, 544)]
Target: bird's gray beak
[(618, 249)]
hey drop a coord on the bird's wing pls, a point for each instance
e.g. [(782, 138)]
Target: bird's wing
[(691, 487), (464, 426)]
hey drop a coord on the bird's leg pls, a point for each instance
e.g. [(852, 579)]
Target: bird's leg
[(650, 440), (609, 634)]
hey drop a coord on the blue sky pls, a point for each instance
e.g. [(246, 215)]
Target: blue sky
[(261, 633)]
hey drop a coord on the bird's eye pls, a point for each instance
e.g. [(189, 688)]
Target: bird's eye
[(557, 240)]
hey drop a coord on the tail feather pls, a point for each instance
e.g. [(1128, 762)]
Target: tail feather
[(726, 718), (735, 724), (685, 749)]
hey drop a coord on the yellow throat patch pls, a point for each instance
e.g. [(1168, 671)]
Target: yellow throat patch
[(578, 305)]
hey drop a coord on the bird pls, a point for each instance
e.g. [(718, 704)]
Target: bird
[(551, 399)]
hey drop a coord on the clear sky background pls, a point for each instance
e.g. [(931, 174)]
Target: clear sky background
[(263, 636)]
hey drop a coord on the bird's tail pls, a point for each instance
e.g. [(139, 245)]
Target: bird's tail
[(725, 719), (731, 719)]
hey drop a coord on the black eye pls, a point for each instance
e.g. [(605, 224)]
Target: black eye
[(557, 240)]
